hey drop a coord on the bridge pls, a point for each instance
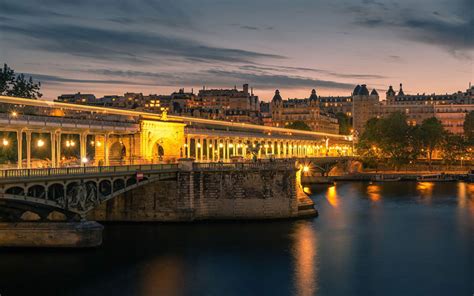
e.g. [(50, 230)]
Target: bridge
[(53, 134), (71, 163)]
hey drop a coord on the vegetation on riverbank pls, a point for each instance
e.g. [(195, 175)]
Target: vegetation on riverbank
[(391, 140)]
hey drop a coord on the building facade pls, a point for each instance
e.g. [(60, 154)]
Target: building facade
[(286, 112)]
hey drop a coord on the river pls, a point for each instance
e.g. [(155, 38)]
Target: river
[(369, 239)]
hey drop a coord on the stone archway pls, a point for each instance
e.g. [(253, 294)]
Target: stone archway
[(117, 152)]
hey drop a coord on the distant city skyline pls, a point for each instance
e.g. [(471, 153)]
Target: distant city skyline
[(160, 46)]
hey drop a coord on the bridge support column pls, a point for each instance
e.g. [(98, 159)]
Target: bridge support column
[(83, 145), (19, 139), (53, 149), (106, 149), (28, 149), (58, 149)]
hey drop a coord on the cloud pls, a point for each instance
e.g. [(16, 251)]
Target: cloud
[(56, 79), (453, 31), (133, 46), (229, 77), (265, 68)]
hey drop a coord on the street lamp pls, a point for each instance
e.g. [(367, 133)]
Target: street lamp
[(5, 142), (84, 160), (40, 143), (14, 114)]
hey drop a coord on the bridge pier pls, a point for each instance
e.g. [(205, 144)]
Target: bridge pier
[(83, 234)]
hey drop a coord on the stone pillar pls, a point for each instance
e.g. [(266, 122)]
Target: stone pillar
[(202, 148), (28, 149), (53, 149), (188, 147), (82, 144), (106, 150), (58, 148), (208, 150), (19, 139)]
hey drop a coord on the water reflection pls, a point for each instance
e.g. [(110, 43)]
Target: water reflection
[(332, 197), (425, 189), (163, 276), (466, 196), (304, 253), (373, 192)]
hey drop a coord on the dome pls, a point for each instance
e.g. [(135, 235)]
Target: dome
[(313, 96), (390, 91), (374, 92), (356, 90), (277, 97), (363, 91)]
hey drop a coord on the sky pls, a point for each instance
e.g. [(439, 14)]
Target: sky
[(109, 47)]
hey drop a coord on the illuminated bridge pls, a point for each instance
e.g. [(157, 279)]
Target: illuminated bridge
[(72, 163), (39, 134)]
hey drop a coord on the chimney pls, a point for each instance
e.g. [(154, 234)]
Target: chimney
[(246, 89)]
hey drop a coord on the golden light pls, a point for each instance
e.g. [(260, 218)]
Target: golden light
[(99, 144), (210, 145), (305, 168), (231, 145), (5, 142), (14, 114), (92, 143), (221, 145), (40, 143)]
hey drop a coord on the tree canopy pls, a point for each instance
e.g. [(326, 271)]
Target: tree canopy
[(431, 135), (19, 85), (469, 127), (344, 123)]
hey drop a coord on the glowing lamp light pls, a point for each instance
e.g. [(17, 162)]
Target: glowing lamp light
[(306, 169), (99, 144), (84, 160), (199, 145), (14, 114), (231, 145), (5, 142), (40, 143), (221, 145), (210, 145)]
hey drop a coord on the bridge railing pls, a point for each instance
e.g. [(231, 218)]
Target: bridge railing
[(281, 164), (26, 173)]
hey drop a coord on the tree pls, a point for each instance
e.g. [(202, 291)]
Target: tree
[(469, 127), (388, 138), (453, 147), (299, 125), (18, 85), (432, 134), (344, 123)]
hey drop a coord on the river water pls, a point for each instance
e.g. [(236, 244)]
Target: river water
[(370, 239)]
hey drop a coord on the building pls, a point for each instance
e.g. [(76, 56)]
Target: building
[(449, 109), (285, 112), (334, 105), (232, 99), (364, 106), (458, 98), (78, 98)]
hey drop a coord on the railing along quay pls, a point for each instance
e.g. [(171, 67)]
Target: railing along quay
[(25, 173)]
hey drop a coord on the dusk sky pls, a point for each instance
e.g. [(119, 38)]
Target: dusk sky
[(153, 46)]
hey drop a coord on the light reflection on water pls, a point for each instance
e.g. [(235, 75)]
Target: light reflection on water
[(305, 270), (399, 247), (373, 191), (332, 197)]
